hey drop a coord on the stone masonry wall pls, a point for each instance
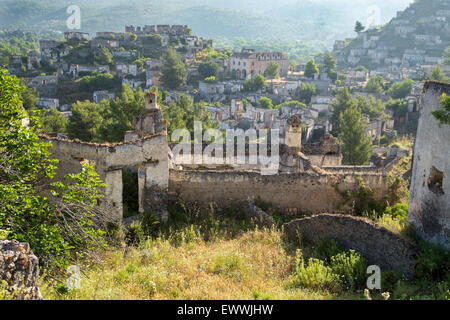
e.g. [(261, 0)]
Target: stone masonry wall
[(19, 268), (289, 193), (429, 206), (148, 153), (378, 245)]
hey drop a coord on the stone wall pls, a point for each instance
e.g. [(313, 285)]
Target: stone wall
[(379, 246), (429, 206), (19, 268), (149, 154), (293, 193)]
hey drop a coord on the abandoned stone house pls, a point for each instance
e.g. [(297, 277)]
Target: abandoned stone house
[(249, 63)]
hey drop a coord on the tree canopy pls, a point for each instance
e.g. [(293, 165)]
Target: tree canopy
[(400, 90), (58, 225), (104, 57), (265, 103), (311, 69), (272, 70), (356, 147), (359, 27), (307, 91), (256, 83), (208, 69), (173, 70), (375, 85)]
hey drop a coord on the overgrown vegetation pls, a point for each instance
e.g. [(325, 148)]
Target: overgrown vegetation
[(219, 254), (58, 223)]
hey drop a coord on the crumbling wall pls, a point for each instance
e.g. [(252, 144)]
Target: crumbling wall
[(378, 245), (429, 206), (148, 153), (19, 268), (293, 192)]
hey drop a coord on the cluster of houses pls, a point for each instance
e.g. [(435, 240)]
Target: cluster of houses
[(226, 99), (406, 47)]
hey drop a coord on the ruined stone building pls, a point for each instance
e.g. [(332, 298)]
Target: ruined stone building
[(249, 63), (307, 178), (429, 206)]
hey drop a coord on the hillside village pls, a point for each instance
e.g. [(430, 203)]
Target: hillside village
[(361, 165), (136, 60)]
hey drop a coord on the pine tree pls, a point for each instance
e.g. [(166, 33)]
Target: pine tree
[(173, 70), (356, 147)]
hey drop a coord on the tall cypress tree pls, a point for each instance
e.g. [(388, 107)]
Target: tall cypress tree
[(356, 147)]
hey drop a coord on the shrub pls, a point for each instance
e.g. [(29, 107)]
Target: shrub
[(351, 268), (399, 212), (150, 223), (434, 262), (135, 234), (315, 275), (327, 248), (389, 280)]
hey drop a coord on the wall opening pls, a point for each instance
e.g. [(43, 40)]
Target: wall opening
[(130, 193), (435, 181)]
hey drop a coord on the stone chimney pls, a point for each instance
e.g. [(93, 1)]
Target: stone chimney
[(293, 138)]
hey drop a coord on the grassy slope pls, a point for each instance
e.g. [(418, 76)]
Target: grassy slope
[(252, 265), (217, 258)]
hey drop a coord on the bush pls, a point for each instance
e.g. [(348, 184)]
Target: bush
[(399, 212), (434, 263), (134, 234), (327, 248), (150, 223), (315, 275), (351, 268), (59, 226)]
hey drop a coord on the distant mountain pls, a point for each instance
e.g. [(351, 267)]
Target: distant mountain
[(417, 35), (323, 20)]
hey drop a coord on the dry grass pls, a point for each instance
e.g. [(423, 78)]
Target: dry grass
[(253, 265)]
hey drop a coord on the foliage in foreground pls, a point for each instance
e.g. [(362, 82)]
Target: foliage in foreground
[(211, 255), (57, 223)]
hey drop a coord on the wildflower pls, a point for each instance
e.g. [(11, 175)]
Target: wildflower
[(367, 294), (386, 295)]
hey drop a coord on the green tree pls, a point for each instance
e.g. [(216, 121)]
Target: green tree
[(173, 70), (359, 27), (436, 74), (119, 114), (311, 69), (329, 64), (446, 56), (375, 85), (356, 147), (53, 121), (307, 91), (342, 102), (30, 97), (208, 69), (272, 70), (183, 113), (361, 68), (443, 116), (86, 121), (58, 226), (104, 57), (265, 103), (400, 90), (256, 83), (370, 106)]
